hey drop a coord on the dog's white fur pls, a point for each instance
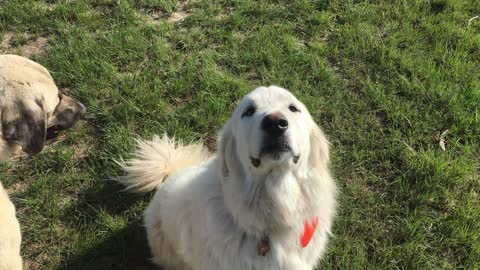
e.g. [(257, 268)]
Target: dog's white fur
[(213, 211)]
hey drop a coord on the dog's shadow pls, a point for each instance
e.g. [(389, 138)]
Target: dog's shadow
[(123, 249), (115, 253)]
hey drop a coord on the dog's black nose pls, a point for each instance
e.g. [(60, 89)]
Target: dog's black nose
[(275, 124)]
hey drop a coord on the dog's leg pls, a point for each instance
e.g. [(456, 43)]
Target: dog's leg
[(163, 253), (10, 236)]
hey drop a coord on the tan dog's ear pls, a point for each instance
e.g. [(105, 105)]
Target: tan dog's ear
[(24, 123), (226, 150), (67, 113), (319, 150)]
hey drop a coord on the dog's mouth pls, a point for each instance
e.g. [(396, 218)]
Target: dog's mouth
[(256, 162), (276, 150), (53, 132)]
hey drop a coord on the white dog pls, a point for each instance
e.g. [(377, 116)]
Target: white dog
[(265, 201)]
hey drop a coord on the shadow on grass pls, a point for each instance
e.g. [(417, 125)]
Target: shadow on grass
[(126, 249), (122, 249)]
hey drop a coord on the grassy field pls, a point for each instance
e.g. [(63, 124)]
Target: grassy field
[(390, 82)]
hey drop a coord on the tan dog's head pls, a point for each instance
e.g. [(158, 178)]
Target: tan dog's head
[(32, 109)]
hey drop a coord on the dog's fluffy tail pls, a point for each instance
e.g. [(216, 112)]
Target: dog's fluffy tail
[(157, 159)]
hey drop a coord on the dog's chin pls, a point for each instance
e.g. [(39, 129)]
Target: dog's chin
[(53, 132), (277, 156)]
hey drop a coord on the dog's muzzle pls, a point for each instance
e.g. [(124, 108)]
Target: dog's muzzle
[(275, 141), (275, 149)]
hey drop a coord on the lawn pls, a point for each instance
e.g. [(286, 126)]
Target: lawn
[(394, 84)]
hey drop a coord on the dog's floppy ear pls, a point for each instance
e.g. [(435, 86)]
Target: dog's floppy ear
[(67, 113), (226, 150), (319, 153), (24, 123)]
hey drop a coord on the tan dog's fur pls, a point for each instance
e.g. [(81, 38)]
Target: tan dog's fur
[(30, 107), (10, 236)]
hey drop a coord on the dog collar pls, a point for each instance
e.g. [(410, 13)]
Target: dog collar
[(309, 227)]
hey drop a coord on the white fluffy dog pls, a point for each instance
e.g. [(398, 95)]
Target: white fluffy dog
[(265, 201)]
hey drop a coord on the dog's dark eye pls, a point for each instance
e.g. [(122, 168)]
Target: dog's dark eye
[(293, 108), (248, 112)]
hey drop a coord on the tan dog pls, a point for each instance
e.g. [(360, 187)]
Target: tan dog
[(31, 110)]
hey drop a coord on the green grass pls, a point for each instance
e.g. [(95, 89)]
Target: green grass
[(383, 78)]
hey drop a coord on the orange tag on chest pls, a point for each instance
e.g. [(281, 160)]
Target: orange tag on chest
[(309, 227)]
